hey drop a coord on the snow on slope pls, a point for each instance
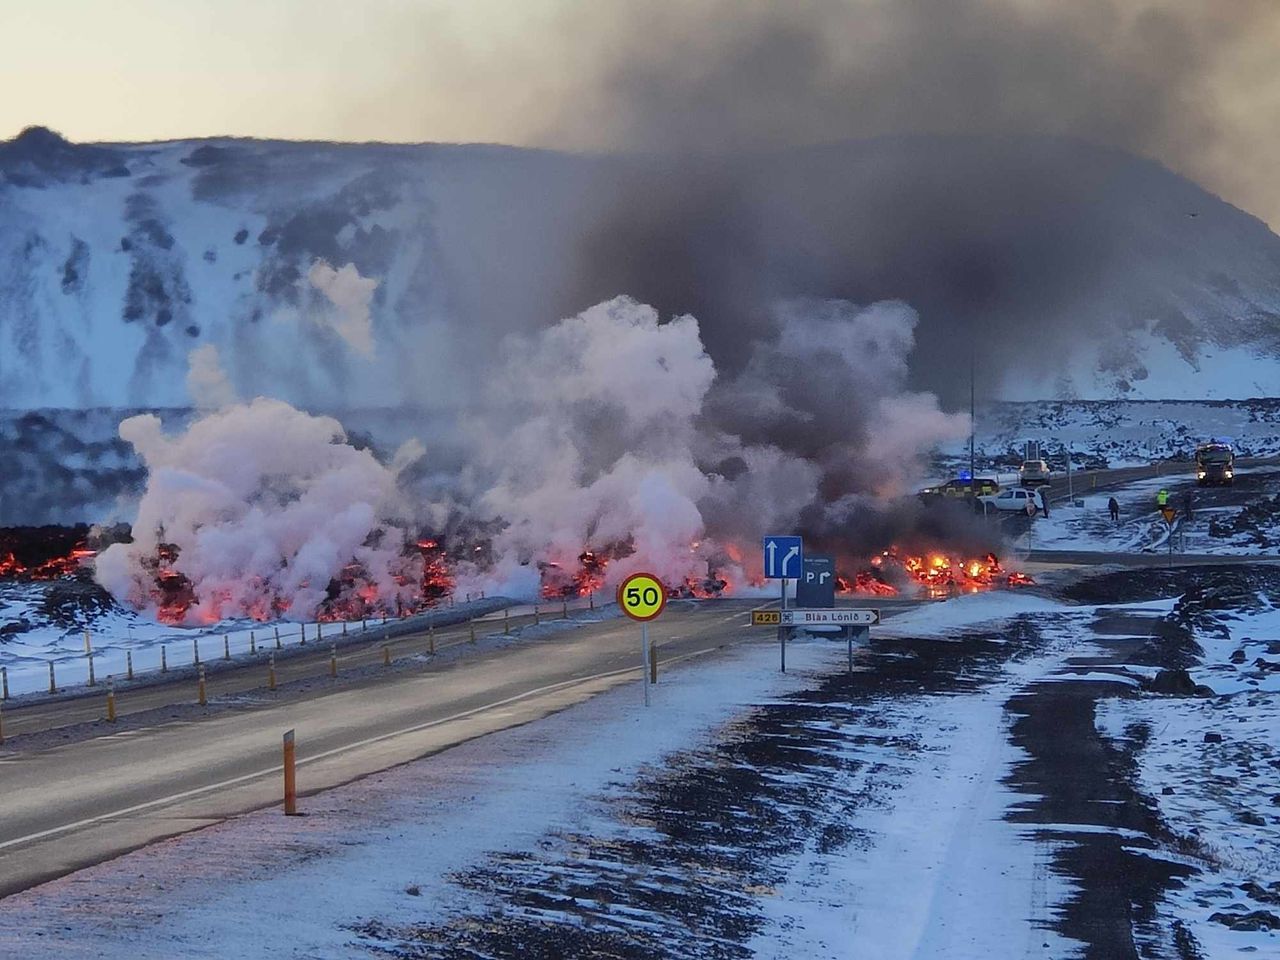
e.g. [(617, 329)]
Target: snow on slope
[(117, 260)]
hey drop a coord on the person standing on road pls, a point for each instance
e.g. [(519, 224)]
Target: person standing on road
[(1113, 507), (1044, 502)]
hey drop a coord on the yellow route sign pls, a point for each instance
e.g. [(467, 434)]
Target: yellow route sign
[(766, 618), (642, 596)]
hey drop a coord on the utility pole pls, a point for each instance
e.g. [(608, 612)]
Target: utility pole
[(973, 420)]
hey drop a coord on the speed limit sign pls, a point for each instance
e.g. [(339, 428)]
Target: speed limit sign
[(642, 596)]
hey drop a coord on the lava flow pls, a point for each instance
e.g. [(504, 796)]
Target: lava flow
[(937, 571), (43, 553)]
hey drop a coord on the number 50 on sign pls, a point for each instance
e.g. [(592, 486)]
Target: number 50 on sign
[(642, 596)]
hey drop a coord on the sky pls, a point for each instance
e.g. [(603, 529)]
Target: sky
[(1194, 85)]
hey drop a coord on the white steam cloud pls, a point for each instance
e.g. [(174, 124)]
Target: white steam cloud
[(350, 295), (608, 432), (265, 505)]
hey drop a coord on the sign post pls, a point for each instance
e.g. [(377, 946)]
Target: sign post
[(642, 597), (1169, 513), (783, 559)]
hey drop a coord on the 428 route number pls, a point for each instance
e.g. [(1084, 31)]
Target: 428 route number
[(642, 596)]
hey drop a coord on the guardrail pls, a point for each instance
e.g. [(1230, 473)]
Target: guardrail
[(128, 664)]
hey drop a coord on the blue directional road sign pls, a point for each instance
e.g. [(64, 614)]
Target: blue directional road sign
[(783, 557)]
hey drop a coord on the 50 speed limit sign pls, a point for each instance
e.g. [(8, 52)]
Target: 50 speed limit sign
[(642, 596)]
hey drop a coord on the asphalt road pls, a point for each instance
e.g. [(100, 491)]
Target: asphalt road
[(171, 770)]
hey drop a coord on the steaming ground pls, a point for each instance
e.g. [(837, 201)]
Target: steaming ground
[(998, 770)]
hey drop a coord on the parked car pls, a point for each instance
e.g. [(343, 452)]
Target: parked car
[(1014, 499), (962, 487), (1033, 473)]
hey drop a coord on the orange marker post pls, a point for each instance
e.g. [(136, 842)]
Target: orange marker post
[(290, 777)]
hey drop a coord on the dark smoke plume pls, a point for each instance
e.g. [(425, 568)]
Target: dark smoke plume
[(961, 155)]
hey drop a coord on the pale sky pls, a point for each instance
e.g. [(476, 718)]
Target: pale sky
[(406, 70), (562, 72)]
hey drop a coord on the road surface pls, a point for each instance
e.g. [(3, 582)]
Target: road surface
[(174, 770)]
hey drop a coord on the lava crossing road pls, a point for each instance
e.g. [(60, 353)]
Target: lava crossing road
[(81, 802)]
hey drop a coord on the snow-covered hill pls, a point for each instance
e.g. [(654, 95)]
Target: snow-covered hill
[(1071, 268)]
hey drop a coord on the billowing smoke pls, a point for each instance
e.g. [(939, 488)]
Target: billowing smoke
[(609, 433), (349, 296), (259, 507)]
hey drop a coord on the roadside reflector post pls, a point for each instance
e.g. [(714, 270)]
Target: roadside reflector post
[(333, 661), (290, 777), (849, 634), (303, 635), (537, 617), (88, 652), (4, 683), (431, 636), (111, 700), (1, 726), (564, 609), (642, 597), (195, 651), (164, 660), (386, 655), (591, 600), (319, 633), (364, 625), (53, 687), (128, 664), (226, 646), (91, 680), (201, 689), (506, 621), (253, 644), (271, 672), (344, 628), (653, 660), (277, 631), (472, 625)]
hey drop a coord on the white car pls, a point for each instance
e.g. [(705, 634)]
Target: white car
[(1014, 499)]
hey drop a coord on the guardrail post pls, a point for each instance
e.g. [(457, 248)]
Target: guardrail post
[(364, 625), (333, 661), (472, 625), (319, 635), (271, 672), (195, 651), (344, 628), (164, 660), (226, 646), (303, 634), (4, 683), (53, 687), (386, 655), (431, 636), (290, 777), (204, 700), (111, 700), (128, 664)]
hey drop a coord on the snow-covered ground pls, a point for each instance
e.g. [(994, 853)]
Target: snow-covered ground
[(1125, 432)]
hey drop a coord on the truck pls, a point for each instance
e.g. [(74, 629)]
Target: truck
[(1215, 464)]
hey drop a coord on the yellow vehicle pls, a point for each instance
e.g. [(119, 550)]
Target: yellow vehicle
[(961, 488)]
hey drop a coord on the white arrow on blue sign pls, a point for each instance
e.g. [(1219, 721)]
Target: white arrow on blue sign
[(783, 557)]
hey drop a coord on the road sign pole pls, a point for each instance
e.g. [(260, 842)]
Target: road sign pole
[(644, 660), (849, 633), (782, 631)]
